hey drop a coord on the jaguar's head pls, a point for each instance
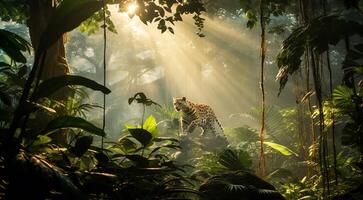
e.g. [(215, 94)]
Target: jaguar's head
[(180, 103)]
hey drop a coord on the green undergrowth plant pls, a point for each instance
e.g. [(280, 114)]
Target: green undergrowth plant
[(34, 166)]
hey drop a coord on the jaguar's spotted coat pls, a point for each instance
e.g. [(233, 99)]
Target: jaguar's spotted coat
[(194, 115)]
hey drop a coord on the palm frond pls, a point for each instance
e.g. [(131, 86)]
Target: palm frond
[(318, 34)]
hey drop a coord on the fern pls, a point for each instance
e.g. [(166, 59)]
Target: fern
[(235, 160), (342, 96), (238, 185)]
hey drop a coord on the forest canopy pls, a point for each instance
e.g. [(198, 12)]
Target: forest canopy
[(181, 99)]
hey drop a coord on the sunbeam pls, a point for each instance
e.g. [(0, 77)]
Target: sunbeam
[(219, 70)]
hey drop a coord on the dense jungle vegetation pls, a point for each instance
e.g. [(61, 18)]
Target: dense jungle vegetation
[(87, 87)]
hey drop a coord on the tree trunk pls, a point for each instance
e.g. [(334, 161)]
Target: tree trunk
[(55, 63)]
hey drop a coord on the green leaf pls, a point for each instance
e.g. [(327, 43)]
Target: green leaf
[(41, 139), (73, 122), (342, 96), (49, 86), (150, 125), (141, 135), (82, 145), (138, 160), (68, 15), (141, 98), (5, 98), (13, 45), (282, 149), (127, 145)]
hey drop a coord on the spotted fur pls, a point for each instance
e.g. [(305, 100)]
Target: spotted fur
[(196, 115)]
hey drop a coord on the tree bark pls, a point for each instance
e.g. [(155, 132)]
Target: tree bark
[(55, 62)]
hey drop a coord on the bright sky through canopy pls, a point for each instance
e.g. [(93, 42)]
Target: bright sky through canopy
[(132, 7)]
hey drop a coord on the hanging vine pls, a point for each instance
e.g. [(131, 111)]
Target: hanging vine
[(332, 110), (262, 160), (104, 68), (313, 62)]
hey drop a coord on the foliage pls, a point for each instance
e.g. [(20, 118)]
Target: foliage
[(73, 122), (13, 10), (243, 133), (342, 97), (281, 148), (17, 161), (162, 13), (271, 8), (142, 164), (142, 99), (13, 45), (318, 35), (49, 86), (351, 106), (235, 160), (91, 25), (168, 119), (122, 168), (238, 184), (309, 187), (306, 188), (165, 112), (66, 17)]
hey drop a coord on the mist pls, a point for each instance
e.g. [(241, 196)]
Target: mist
[(220, 70)]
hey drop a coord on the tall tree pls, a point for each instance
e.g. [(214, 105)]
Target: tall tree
[(36, 15)]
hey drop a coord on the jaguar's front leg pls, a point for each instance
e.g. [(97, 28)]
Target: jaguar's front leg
[(192, 126), (184, 126), (208, 128)]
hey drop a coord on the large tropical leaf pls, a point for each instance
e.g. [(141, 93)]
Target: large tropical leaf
[(51, 85), (238, 185), (41, 140), (73, 122), (141, 135), (150, 125), (13, 45), (281, 148), (82, 145), (138, 160), (126, 145), (68, 15)]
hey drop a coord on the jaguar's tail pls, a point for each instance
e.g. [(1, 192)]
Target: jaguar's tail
[(219, 124)]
